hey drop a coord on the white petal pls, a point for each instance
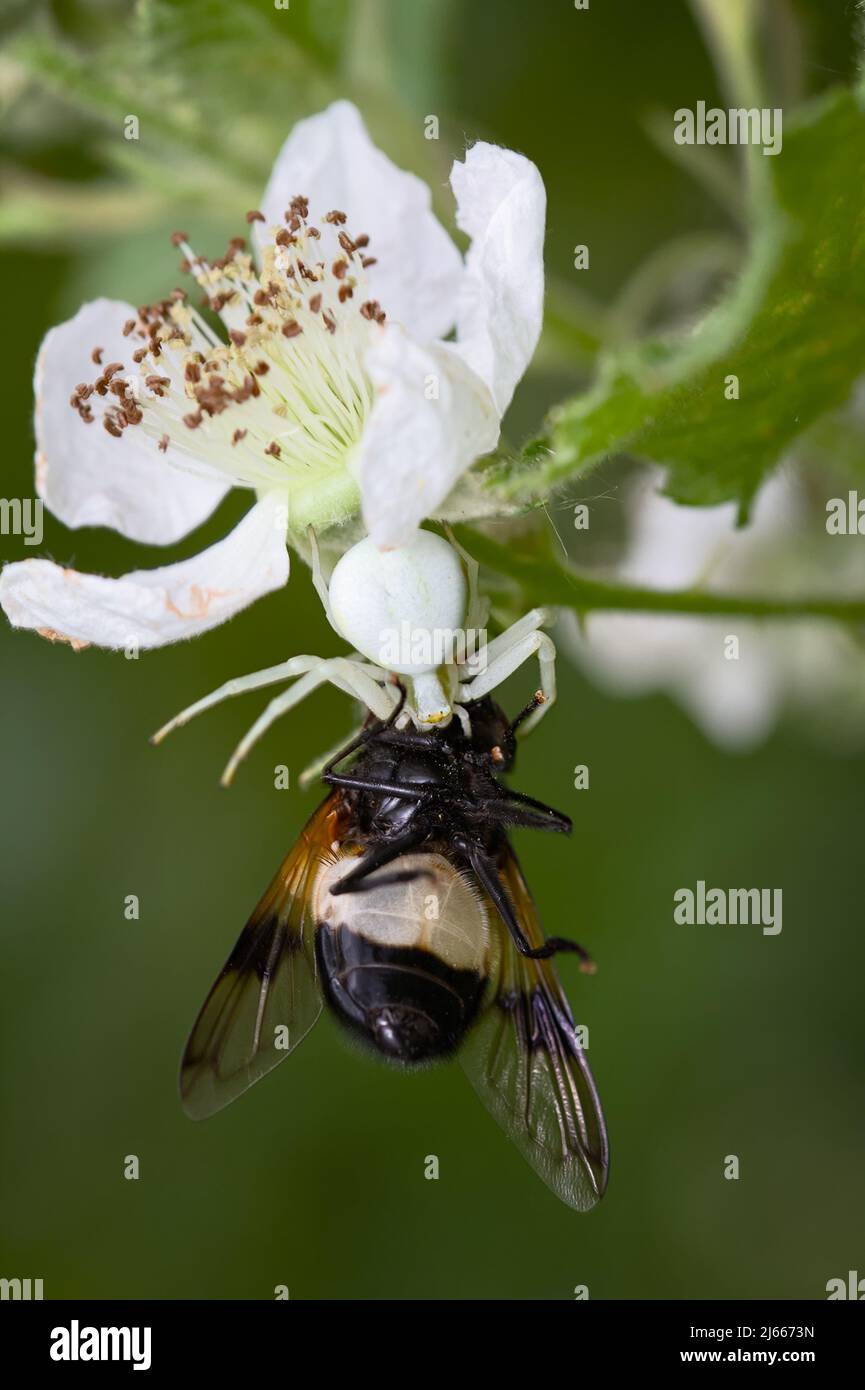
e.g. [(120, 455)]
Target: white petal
[(86, 477), (501, 204), (733, 702), (431, 419), (677, 547), (152, 607), (331, 160)]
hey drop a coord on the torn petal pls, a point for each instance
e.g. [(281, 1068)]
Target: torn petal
[(431, 419), (150, 608), (501, 204), (88, 478), (331, 160)]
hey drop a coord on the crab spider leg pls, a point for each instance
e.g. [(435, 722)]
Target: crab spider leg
[(347, 676), (508, 658), (478, 608), (239, 685), (271, 675), (529, 622), (318, 579)]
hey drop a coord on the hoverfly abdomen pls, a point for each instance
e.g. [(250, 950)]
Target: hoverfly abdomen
[(403, 963)]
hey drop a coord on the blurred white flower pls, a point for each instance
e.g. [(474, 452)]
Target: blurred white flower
[(806, 665), (332, 380)]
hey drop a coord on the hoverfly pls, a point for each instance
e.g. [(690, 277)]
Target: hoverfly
[(403, 908)]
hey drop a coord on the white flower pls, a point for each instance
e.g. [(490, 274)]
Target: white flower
[(735, 701), (334, 382)]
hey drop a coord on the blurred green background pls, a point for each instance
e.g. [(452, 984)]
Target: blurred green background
[(704, 1041)]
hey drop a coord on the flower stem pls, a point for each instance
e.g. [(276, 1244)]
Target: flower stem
[(549, 582)]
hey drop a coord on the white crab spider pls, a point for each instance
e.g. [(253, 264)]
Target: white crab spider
[(374, 595)]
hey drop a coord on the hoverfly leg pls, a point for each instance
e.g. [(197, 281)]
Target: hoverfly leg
[(490, 881), (515, 808), (376, 859), (497, 892), (370, 784), (364, 735)]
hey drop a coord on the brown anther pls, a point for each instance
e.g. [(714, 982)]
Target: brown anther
[(255, 216), (372, 310), (261, 368), (315, 303), (274, 449), (96, 356), (336, 218), (177, 238), (237, 243), (111, 427), (329, 321), (260, 297), (237, 337), (340, 267), (362, 240), (163, 444), (345, 292), (128, 327), (249, 388), (192, 371), (368, 261), (314, 233), (254, 319), (139, 355), (346, 243), (291, 329), (237, 436), (284, 238), (193, 420)]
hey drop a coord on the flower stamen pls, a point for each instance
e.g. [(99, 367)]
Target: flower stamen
[(291, 362)]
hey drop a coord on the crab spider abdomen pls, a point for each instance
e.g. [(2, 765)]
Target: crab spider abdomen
[(399, 607), (403, 609)]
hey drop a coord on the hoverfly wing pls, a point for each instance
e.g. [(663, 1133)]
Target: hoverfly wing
[(266, 997), (524, 1059)]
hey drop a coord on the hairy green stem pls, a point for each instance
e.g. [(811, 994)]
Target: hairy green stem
[(549, 582)]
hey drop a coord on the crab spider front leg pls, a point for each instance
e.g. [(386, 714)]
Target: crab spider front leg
[(349, 676), (319, 583), (239, 685), (478, 609), (505, 654)]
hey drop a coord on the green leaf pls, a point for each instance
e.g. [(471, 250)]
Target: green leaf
[(792, 329), (218, 80)]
